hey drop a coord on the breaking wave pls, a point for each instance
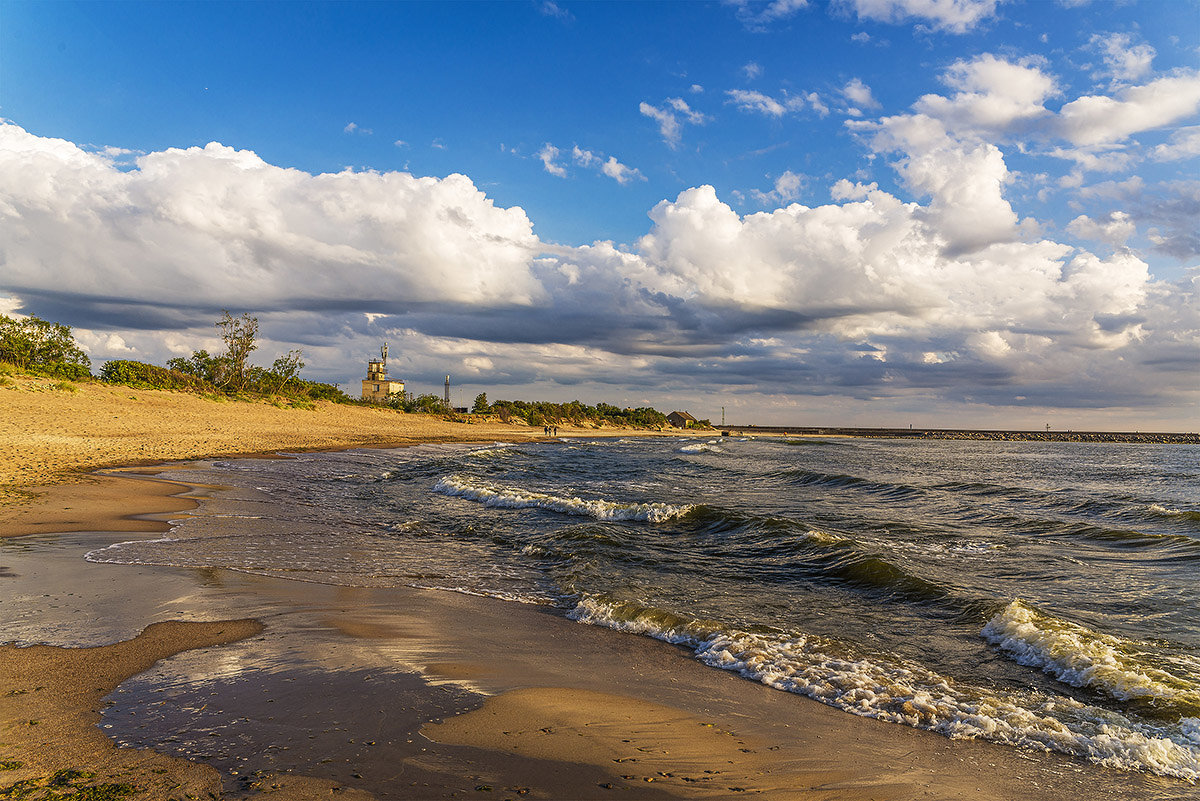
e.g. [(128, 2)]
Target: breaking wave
[(701, 447), (600, 509), (1189, 515), (907, 693), (1080, 657)]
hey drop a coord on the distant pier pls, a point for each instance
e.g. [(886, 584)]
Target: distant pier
[(1148, 437)]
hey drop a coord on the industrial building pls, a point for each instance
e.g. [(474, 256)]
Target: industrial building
[(377, 386)]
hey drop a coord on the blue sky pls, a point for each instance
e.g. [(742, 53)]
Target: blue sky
[(864, 211)]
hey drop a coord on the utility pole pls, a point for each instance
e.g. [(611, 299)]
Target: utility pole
[(722, 417)]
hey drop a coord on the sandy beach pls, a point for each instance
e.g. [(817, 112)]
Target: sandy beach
[(298, 690), (47, 433)]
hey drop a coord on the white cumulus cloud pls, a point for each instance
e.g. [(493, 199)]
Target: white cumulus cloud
[(1100, 119), (1116, 229), (671, 117), (621, 173), (759, 103), (993, 95), (758, 17), (786, 188), (954, 16), (859, 94), (204, 225), (867, 296), (548, 154), (1124, 61), (1184, 143)]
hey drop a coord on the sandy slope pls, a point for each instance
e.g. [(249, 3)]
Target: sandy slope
[(47, 433)]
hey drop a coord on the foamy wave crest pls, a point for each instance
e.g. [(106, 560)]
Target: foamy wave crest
[(1081, 657), (701, 447), (515, 498), (1191, 515), (499, 449), (910, 694)]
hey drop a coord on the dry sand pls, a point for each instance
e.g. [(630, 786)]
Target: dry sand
[(396, 692), (50, 435), (47, 432)]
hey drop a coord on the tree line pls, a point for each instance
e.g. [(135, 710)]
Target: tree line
[(41, 347), (38, 346), (537, 413)]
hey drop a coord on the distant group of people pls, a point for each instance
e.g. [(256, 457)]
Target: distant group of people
[(551, 431)]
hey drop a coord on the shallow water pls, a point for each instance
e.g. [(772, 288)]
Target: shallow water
[(1038, 594)]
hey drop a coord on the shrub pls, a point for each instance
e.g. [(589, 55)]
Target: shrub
[(210, 368), (39, 346), (151, 376), (421, 404), (538, 413), (317, 391)]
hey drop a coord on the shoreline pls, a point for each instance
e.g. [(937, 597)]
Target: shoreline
[(401, 692), (48, 435), (479, 693)]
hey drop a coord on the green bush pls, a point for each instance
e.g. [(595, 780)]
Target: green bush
[(317, 391), (39, 346), (151, 376), (210, 368), (420, 404), (537, 413)]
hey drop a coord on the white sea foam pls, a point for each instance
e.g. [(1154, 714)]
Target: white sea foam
[(701, 447), (500, 449), (120, 552), (913, 695), (517, 498), (522, 598), (1169, 511), (1081, 657), (409, 525), (944, 550), (825, 538), (976, 547)]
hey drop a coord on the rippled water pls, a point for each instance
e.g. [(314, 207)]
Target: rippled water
[(1038, 594)]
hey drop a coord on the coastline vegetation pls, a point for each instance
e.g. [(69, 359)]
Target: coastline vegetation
[(537, 413), (40, 347)]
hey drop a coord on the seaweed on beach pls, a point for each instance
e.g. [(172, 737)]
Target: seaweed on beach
[(67, 784)]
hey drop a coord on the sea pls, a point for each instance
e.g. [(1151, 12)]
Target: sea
[(1041, 595)]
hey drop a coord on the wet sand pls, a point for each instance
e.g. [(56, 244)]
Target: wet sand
[(404, 693), (390, 693)]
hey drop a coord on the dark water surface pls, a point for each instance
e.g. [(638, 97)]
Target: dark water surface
[(1038, 594)]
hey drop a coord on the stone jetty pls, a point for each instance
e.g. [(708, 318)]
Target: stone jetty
[(1140, 437)]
